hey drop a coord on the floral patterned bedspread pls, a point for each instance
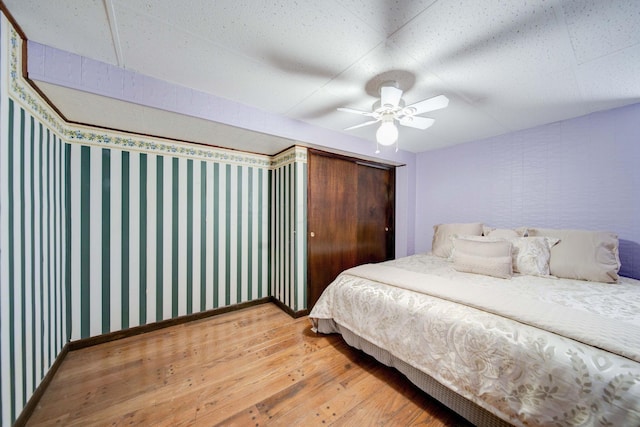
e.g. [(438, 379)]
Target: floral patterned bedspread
[(523, 374)]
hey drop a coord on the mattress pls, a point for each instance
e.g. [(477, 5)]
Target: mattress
[(530, 350)]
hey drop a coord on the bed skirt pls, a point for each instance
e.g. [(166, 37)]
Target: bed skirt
[(462, 406)]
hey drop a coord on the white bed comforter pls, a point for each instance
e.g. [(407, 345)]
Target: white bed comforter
[(585, 372)]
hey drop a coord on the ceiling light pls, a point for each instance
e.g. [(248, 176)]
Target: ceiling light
[(387, 133), (391, 108)]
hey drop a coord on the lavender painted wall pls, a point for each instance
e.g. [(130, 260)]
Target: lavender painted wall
[(581, 173)]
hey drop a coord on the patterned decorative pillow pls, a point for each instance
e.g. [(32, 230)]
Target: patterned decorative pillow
[(491, 258), (503, 233), (531, 255)]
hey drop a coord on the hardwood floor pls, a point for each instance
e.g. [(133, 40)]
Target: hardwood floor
[(253, 367)]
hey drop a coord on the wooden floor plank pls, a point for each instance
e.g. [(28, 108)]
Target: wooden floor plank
[(252, 367)]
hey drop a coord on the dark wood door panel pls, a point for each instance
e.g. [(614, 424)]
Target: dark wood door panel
[(332, 221), (375, 242)]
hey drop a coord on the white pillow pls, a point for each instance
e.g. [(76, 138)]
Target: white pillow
[(491, 258), (441, 245), (453, 237), (531, 255), (582, 254)]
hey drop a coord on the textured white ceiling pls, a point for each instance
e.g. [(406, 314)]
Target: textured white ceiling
[(505, 65)]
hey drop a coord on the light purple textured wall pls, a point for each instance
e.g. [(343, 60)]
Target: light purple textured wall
[(581, 173)]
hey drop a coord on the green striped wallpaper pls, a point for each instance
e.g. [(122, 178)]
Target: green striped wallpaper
[(155, 237), (288, 224), (33, 321), (100, 231)]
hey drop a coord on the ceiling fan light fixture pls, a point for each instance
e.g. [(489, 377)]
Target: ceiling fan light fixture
[(387, 133), (391, 108)]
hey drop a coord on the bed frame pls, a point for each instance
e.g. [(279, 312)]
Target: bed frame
[(462, 406)]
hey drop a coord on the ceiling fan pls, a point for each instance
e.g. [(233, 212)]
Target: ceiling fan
[(390, 108)]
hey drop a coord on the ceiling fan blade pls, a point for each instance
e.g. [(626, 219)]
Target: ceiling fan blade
[(351, 110), (370, 122), (427, 105), (416, 122), (390, 96)]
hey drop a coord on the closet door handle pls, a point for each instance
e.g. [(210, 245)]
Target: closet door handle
[(312, 234)]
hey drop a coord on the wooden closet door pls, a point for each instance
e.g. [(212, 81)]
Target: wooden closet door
[(332, 221), (351, 214), (376, 214)]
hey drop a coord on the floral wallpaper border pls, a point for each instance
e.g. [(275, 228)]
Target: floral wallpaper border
[(294, 154)]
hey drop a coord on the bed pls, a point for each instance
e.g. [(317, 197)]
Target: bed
[(530, 348)]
